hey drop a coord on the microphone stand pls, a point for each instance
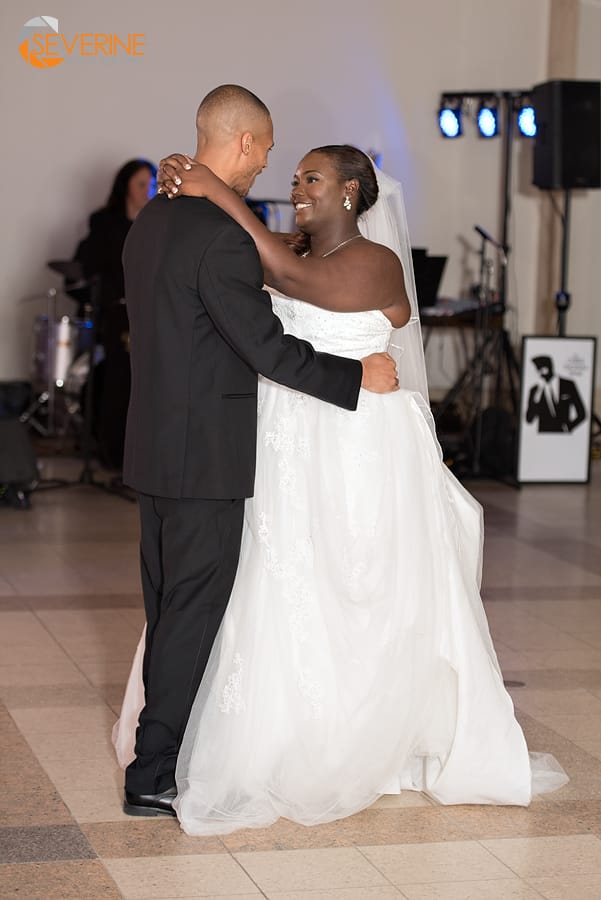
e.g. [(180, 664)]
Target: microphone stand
[(481, 338), (492, 352)]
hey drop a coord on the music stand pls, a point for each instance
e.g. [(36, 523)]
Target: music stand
[(428, 271)]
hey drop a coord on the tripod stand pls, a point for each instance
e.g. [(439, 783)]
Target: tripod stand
[(487, 432), (86, 476)]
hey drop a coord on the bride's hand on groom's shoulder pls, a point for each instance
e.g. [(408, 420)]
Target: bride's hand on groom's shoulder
[(180, 174), (171, 170)]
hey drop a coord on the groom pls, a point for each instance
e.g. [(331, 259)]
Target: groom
[(201, 328)]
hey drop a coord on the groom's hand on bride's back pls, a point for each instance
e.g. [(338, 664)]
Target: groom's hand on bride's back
[(379, 373)]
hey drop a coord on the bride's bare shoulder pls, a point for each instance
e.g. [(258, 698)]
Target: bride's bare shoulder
[(377, 252), (378, 260)]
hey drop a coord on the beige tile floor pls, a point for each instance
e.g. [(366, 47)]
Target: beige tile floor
[(70, 615)]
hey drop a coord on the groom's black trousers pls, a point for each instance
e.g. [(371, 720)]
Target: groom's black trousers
[(189, 554)]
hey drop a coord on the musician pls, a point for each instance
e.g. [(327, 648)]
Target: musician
[(100, 255)]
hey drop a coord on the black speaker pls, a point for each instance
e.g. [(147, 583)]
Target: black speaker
[(567, 149), (18, 468)]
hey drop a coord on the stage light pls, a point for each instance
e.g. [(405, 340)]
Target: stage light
[(449, 120), (488, 120), (527, 121)]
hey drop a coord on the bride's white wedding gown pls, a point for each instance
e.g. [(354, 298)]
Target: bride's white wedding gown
[(354, 658)]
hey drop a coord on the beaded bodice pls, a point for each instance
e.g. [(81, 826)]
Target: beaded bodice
[(344, 334)]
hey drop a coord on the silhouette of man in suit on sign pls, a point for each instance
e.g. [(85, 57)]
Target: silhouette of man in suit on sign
[(554, 401)]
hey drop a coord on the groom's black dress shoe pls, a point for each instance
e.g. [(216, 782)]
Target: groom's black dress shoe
[(150, 804)]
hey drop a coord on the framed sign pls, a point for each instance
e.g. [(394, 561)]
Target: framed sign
[(556, 406)]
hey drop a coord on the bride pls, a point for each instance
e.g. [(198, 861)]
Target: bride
[(354, 658)]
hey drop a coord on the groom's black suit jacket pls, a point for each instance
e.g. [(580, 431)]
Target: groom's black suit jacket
[(201, 328)]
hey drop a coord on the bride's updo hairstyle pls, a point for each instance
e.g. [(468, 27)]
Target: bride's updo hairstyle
[(351, 162)]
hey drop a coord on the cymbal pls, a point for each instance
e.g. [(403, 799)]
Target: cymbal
[(71, 269)]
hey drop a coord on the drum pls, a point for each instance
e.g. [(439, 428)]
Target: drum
[(77, 376), (56, 345)]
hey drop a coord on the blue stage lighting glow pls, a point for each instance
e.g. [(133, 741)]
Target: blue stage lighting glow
[(487, 121), (449, 121), (527, 121)]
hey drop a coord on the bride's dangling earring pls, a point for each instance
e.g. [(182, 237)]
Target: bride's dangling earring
[(347, 203)]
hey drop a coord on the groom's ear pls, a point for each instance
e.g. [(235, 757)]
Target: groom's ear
[(246, 142)]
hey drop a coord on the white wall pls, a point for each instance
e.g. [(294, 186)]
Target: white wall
[(330, 70)]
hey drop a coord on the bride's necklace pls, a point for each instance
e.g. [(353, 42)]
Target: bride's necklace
[(338, 246)]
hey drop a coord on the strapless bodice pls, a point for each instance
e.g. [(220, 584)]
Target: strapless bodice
[(344, 334)]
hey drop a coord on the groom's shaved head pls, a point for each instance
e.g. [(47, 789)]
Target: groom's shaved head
[(235, 135), (229, 110)]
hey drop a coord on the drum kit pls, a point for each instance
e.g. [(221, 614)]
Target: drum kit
[(64, 359), (60, 357)]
